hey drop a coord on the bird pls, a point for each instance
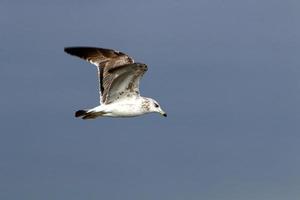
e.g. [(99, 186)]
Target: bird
[(119, 77)]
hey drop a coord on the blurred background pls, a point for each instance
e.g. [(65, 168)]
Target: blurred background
[(227, 73)]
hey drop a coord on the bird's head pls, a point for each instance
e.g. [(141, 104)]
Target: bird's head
[(155, 107)]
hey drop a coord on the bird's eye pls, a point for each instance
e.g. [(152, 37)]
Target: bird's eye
[(156, 105)]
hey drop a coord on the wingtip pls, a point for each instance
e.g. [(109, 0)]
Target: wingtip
[(67, 49), (79, 50), (70, 49)]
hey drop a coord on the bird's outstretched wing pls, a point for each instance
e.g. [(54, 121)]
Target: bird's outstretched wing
[(105, 60), (125, 82)]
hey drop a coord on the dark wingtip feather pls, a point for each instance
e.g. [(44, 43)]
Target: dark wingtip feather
[(67, 49), (71, 49), (76, 51)]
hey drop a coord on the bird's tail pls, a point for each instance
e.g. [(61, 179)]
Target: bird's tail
[(85, 114)]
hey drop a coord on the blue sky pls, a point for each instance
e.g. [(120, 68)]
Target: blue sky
[(227, 73)]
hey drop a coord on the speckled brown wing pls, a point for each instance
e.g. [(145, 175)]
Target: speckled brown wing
[(125, 83), (104, 59)]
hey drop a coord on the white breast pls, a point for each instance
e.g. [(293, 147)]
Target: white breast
[(129, 107)]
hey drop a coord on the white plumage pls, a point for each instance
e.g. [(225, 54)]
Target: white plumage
[(119, 78)]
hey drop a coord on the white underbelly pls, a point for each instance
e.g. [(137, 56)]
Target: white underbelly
[(123, 110)]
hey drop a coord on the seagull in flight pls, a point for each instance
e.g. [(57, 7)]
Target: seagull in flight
[(119, 78)]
